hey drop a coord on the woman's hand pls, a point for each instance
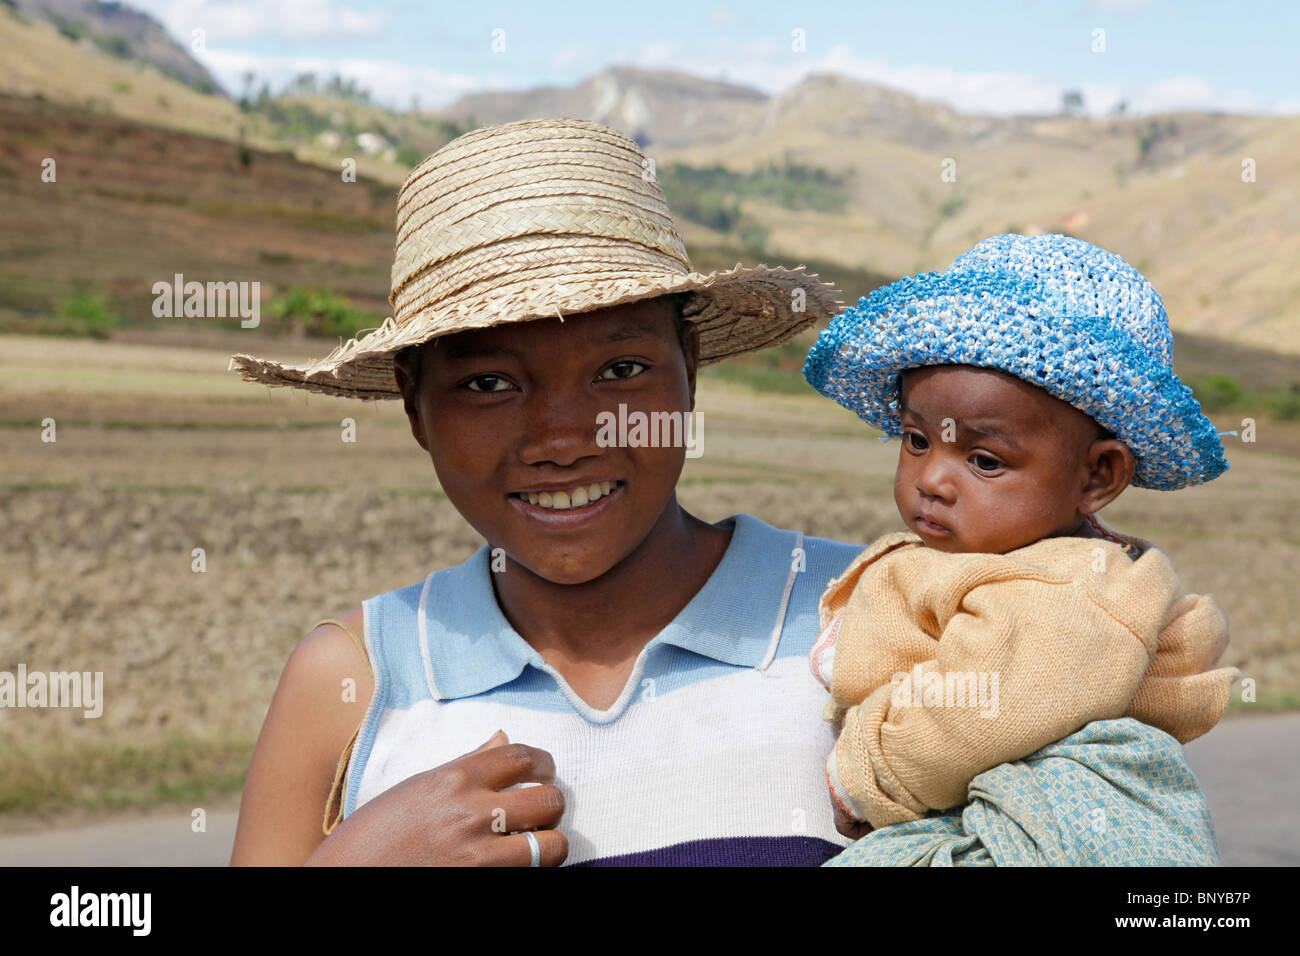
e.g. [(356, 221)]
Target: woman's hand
[(458, 814)]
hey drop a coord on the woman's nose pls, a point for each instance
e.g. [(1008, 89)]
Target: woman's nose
[(558, 430)]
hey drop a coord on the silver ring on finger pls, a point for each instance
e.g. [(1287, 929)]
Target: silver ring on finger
[(535, 851)]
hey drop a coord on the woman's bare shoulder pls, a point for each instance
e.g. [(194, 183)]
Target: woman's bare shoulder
[(326, 658), (327, 642), (331, 670)]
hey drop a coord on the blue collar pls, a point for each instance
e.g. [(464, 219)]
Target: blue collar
[(736, 618)]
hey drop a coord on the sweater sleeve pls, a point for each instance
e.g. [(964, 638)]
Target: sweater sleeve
[(1021, 660), (1183, 693)]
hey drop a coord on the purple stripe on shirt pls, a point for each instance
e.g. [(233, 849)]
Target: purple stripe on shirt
[(730, 851)]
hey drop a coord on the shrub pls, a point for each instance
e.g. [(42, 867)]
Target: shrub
[(320, 312), (114, 45), (1285, 403), (88, 313), (1217, 392), (409, 155)]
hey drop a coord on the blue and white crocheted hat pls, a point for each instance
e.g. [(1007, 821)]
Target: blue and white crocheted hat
[(1060, 313)]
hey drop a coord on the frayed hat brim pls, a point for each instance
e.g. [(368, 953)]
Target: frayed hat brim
[(736, 311)]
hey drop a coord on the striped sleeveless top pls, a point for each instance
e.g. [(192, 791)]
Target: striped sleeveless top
[(714, 753)]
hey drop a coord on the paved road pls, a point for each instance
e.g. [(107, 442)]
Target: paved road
[(1248, 767), (151, 841)]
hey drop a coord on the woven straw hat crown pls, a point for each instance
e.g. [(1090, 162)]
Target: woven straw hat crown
[(546, 218), (503, 208)]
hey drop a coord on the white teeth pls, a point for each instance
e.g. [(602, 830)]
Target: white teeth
[(577, 498)]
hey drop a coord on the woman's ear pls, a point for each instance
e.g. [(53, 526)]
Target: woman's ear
[(407, 385), (689, 336), (1109, 466)]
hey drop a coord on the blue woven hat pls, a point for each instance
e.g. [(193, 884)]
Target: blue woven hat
[(1060, 313)]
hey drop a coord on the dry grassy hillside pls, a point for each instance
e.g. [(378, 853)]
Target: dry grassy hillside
[(36, 60), (39, 62), (1165, 192), (135, 204)]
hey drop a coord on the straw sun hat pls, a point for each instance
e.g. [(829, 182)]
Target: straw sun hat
[(545, 218)]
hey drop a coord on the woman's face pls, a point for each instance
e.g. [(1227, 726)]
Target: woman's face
[(509, 418)]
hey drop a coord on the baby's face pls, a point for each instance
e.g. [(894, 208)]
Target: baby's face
[(988, 462)]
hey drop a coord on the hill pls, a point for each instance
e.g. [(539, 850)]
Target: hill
[(123, 32), (134, 204), (863, 181), (1166, 192), (41, 61), (663, 108)]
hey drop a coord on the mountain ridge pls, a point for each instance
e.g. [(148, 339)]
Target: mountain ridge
[(911, 183)]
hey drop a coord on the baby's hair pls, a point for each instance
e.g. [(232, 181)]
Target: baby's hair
[(411, 358)]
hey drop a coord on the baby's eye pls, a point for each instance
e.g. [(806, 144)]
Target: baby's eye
[(985, 463), (625, 369), (915, 441), (487, 383)]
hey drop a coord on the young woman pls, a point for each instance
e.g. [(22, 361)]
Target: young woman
[(610, 679)]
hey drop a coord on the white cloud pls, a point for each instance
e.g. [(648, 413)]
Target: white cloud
[(1193, 93), (568, 57), (655, 54), (288, 19), (988, 92), (388, 82), (997, 92)]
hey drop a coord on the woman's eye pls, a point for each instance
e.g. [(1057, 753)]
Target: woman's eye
[(985, 463), (622, 370), (487, 383), (916, 442)]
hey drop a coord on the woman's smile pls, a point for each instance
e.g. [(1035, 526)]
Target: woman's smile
[(568, 506)]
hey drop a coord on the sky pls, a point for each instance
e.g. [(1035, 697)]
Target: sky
[(1014, 56)]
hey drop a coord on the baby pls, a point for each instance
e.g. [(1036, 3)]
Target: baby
[(1030, 383)]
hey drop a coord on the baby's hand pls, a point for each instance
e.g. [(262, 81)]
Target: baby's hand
[(847, 826), (822, 657)]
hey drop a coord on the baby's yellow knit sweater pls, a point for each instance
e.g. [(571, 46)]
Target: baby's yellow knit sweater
[(946, 665)]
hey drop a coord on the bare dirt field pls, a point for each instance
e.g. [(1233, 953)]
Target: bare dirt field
[(159, 450)]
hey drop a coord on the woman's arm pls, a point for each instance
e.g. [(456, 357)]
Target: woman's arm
[(308, 725), (459, 813)]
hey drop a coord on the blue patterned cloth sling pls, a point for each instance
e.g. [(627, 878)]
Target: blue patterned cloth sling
[(1116, 793)]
